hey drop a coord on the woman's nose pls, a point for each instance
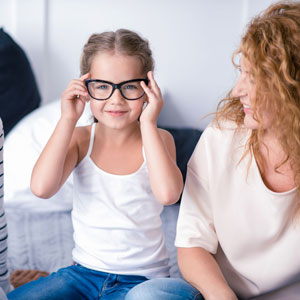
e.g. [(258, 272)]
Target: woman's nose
[(238, 90)]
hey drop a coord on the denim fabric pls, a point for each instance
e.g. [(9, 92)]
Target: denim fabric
[(77, 282), (164, 289)]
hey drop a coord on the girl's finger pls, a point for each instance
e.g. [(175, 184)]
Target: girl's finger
[(146, 89), (75, 82), (77, 87), (153, 83), (75, 90), (85, 76), (79, 81), (75, 93)]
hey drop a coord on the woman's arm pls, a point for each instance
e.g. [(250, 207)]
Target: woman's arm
[(165, 177), (196, 236), (200, 269), (60, 155)]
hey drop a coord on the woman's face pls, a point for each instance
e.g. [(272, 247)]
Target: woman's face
[(245, 89)]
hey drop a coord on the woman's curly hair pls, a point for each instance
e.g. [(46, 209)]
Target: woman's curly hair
[(271, 44)]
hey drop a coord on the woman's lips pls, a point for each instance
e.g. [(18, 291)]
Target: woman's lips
[(246, 108)]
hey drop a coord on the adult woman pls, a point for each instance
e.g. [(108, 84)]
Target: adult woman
[(238, 232)]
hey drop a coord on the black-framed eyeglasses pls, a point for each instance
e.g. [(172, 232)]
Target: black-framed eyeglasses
[(102, 90)]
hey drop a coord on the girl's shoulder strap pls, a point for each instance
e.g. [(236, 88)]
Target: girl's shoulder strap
[(92, 137), (144, 154)]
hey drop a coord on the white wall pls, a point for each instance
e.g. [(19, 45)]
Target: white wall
[(192, 42)]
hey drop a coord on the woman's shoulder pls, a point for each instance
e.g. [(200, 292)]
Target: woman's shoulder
[(222, 140), (223, 131), (222, 126)]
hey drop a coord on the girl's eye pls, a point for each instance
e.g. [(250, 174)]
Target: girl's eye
[(101, 87), (130, 87)]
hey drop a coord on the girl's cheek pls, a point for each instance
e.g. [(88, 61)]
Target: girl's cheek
[(138, 105)]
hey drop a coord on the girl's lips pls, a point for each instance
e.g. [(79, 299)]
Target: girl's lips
[(116, 113)]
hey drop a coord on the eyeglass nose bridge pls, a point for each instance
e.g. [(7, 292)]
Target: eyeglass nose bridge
[(117, 86)]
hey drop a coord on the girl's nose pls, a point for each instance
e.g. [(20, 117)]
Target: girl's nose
[(116, 97)]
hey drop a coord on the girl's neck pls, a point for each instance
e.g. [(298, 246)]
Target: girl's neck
[(118, 136)]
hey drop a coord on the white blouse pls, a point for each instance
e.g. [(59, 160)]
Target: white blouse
[(246, 226)]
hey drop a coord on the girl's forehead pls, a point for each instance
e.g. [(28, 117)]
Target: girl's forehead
[(112, 58), (109, 64)]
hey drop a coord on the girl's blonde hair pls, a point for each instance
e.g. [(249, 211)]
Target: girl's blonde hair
[(122, 41), (271, 44)]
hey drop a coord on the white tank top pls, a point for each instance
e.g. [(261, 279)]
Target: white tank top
[(116, 219)]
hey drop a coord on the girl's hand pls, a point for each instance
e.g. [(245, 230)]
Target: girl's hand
[(155, 101), (74, 98)]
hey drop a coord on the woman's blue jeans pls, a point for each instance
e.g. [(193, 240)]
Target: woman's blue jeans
[(75, 283), (164, 289)]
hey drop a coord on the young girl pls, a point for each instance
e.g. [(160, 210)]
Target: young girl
[(238, 232), (124, 173)]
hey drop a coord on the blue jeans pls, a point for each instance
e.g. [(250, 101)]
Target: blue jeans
[(75, 283), (164, 289)]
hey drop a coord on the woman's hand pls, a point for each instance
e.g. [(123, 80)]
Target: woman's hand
[(155, 101), (74, 98)]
